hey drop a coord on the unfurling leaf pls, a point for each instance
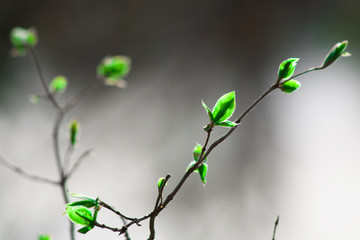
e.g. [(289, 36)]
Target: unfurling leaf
[(74, 130), (290, 86), (197, 151), (85, 203), (226, 123), (113, 69), (203, 169), (338, 50), (287, 68), (85, 229), (208, 111), (58, 84), (161, 183), (81, 196), (22, 38), (80, 215), (44, 237), (224, 107)]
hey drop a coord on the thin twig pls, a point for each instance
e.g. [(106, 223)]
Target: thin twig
[(25, 174), (275, 227), (107, 227), (42, 79), (158, 204), (126, 235), (78, 162), (105, 205), (72, 101), (67, 158), (57, 123)]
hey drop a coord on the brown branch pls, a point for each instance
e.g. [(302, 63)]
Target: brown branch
[(72, 101), (78, 162), (42, 79), (107, 206), (158, 205), (25, 174)]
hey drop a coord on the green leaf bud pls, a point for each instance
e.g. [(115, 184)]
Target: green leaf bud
[(161, 183), (22, 38), (197, 151), (80, 215), (203, 169), (338, 50), (287, 68), (290, 86), (74, 130), (34, 98), (113, 69), (58, 84), (224, 107), (44, 237)]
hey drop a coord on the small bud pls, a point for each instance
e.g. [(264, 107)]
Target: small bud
[(338, 50), (287, 68), (161, 183), (290, 86), (44, 237), (58, 84), (203, 170), (21, 38), (114, 69), (34, 98), (74, 129)]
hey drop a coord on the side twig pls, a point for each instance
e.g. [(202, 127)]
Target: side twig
[(275, 227), (25, 174)]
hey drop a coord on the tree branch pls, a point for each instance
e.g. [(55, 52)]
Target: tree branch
[(25, 174)]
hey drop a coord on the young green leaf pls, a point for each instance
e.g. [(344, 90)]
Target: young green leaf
[(161, 183), (224, 107), (203, 169), (74, 129), (85, 203), (21, 38), (58, 84), (113, 69), (226, 123), (44, 237), (287, 68), (338, 50), (290, 86), (80, 215), (208, 111), (85, 229)]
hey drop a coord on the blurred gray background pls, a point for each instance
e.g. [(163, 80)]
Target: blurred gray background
[(296, 155)]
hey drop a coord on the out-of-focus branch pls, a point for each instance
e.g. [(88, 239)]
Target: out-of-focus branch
[(25, 174)]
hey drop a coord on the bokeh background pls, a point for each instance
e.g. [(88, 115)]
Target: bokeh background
[(296, 155)]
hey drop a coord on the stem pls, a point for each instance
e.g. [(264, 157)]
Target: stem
[(42, 79), (60, 115), (275, 227), (75, 98)]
